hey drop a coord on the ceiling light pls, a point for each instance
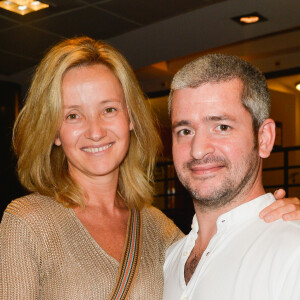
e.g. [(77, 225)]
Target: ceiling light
[(249, 19), (22, 7), (297, 85)]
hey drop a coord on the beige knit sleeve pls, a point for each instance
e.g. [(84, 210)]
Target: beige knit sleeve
[(172, 232), (163, 227), (19, 260)]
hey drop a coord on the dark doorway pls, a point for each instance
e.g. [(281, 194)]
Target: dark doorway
[(9, 107)]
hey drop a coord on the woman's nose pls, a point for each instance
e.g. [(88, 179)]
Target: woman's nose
[(96, 129)]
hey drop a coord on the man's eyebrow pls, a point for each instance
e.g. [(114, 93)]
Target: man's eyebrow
[(207, 119), (220, 118), (181, 123)]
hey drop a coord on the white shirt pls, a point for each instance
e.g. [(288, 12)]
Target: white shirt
[(246, 259)]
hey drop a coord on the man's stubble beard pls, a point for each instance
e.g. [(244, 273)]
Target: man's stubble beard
[(230, 189)]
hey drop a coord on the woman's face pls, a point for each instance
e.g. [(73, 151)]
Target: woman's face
[(95, 131)]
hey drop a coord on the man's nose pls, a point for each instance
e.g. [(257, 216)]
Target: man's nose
[(202, 144)]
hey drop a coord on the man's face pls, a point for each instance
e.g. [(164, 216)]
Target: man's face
[(214, 151)]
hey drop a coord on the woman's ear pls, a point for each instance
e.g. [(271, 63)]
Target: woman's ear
[(266, 138), (57, 141), (130, 126)]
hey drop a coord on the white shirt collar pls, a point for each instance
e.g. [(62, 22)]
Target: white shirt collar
[(239, 214)]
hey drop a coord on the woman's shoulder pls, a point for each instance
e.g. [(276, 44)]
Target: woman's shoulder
[(41, 215), (157, 222), (32, 206), (151, 212)]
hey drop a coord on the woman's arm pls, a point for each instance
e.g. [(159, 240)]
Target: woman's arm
[(286, 208), (19, 260)]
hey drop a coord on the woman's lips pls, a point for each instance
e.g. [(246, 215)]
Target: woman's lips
[(96, 149)]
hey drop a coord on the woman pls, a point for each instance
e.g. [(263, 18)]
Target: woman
[(86, 147)]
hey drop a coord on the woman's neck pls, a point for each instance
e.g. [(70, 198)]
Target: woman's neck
[(100, 191)]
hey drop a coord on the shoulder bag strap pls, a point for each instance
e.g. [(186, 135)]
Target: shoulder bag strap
[(131, 258)]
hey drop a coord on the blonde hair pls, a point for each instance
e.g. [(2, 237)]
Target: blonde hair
[(219, 67), (42, 166)]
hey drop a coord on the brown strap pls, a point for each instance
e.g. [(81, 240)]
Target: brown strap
[(131, 258)]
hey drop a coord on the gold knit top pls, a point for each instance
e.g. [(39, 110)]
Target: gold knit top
[(46, 253)]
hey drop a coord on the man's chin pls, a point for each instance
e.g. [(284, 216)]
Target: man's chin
[(203, 195), (211, 197), (206, 190)]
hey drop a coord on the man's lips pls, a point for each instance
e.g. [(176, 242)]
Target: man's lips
[(206, 169), (94, 149)]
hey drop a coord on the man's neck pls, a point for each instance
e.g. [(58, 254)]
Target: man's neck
[(207, 218), (207, 221)]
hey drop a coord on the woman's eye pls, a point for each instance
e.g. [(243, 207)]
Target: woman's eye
[(110, 110), (72, 116), (223, 127)]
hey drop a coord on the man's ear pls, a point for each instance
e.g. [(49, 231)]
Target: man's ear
[(57, 141), (266, 138)]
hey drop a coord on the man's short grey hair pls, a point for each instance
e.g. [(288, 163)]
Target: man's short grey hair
[(214, 68)]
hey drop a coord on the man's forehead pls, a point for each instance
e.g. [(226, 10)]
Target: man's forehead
[(237, 82), (212, 102), (210, 91)]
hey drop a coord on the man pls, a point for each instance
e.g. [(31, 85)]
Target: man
[(219, 107)]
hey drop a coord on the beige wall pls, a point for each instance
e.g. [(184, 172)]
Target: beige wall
[(285, 109)]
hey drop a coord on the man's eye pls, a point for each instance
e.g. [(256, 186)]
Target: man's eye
[(223, 127), (109, 110), (184, 132), (72, 116)]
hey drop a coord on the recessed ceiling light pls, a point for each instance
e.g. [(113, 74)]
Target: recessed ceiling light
[(249, 18), (22, 7)]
